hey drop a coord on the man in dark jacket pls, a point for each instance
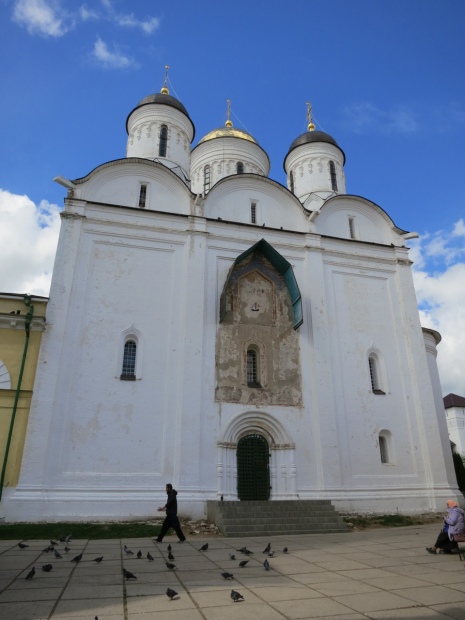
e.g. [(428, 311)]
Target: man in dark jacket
[(171, 519)]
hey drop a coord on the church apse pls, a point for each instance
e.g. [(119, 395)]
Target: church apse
[(257, 345)]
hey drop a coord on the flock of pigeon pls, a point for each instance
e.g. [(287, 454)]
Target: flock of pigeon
[(171, 594)]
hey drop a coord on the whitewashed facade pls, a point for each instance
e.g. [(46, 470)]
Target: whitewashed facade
[(344, 393)]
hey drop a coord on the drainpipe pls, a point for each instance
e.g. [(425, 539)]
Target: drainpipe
[(27, 325)]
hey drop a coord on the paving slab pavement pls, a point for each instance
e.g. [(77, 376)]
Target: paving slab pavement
[(380, 574)]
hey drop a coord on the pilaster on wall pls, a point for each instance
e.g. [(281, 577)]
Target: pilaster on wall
[(39, 431)]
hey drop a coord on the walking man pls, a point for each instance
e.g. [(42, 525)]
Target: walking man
[(171, 519)]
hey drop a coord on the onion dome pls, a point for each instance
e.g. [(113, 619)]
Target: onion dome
[(162, 99), (228, 131), (223, 152), (314, 136)]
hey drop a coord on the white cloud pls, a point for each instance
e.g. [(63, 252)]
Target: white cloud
[(111, 59), (364, 117), (441, 299), (87, 14), (28, 240), (129, 20), (459, 229), (40, 17), (148, 25)]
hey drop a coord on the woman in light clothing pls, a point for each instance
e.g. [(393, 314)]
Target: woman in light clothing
[(453, 530)]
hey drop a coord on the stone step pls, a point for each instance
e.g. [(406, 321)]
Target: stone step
[(262, 518)]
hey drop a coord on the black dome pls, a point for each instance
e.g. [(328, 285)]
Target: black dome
[(163, 99), (314, 136)]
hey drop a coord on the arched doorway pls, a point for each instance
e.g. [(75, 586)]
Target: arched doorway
[(253, 468)]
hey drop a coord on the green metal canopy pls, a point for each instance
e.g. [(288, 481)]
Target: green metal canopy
[(284, 268)]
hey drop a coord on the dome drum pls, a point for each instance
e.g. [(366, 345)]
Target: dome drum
[(145, 125), (315, 167), (222, 155)]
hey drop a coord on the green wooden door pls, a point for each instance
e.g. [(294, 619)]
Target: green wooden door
[(253, 470)]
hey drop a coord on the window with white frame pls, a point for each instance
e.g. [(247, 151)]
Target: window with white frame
[(291, 181), (206, 179), (128, 370), (383, 449), (352, 227), (142, 195), (373, 366), (332, 174), (386, 447), (253, 212), (163, 141), (253, 374)]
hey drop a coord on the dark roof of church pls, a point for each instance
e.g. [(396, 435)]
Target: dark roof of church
[(452, 400), (314, 136), (161, 98)]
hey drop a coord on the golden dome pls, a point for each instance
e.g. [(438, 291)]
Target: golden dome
[(228, 132)]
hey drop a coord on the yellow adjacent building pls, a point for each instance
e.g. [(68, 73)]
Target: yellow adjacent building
[(22, 321)]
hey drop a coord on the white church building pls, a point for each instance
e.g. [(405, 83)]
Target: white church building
[(212, 328)]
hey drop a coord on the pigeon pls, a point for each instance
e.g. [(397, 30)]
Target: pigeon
[(171, 593), (236, 596), (57, 555), (67, 549), (53, 543), (149, 556), (170, 565), (266, 565), (65, 539), (227, 575), (47, 568), (98, 560), (139, 554), (232, 556), (48, 549), (22, 545), (128, 551), (271, 554), (169, 547), (77, 559), (128, 575), (170, 556), (267, 549), (245, 551), (243, 563), (204, 547), (285, 550), (31, 573)]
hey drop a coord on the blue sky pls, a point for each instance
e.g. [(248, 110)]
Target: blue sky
[(386, 80)]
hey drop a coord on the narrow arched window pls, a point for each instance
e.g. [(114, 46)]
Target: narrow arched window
[(253, 212), (128, 370), (142, 196), (332, 173), (239, 168), (252, 368), (206, 179), (374, 375), (163, 141), (352, 228), (383, 449), (291, 181)]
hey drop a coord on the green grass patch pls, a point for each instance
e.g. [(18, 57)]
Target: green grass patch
[(368, 521), (46, 531)]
